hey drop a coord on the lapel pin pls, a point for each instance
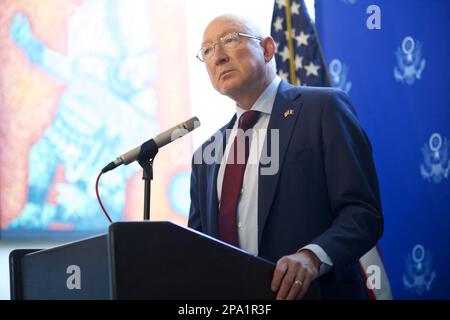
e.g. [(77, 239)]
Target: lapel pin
[(289, 113)]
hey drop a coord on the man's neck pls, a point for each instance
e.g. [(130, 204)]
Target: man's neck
[(248, 99)]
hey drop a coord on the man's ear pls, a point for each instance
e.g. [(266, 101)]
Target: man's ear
[(269, 48)]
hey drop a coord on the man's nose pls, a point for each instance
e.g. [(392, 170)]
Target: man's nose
[(220, 56)]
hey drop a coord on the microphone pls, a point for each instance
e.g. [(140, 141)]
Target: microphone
[(149, 149)]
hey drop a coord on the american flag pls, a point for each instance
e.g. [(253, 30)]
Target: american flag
[(299, 57), (300, 61)]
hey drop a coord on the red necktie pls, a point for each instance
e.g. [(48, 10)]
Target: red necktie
[(232, 180)]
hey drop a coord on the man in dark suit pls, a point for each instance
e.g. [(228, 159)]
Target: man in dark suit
[(310, 202)]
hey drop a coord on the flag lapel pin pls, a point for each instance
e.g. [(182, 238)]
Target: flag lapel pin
[(289, 113)]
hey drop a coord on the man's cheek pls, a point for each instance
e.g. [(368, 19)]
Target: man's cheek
[(211, 77)]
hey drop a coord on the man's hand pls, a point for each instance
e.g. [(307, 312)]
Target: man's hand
[(293, 274)]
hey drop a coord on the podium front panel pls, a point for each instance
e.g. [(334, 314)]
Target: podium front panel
[(162, 260), (77, 270)]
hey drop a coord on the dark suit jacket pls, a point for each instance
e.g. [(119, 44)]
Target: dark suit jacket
[(325, 191)]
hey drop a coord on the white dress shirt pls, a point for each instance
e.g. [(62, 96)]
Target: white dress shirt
[(247, 211)]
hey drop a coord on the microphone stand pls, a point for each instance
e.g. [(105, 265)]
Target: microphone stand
[(145, 159), (147, 176)]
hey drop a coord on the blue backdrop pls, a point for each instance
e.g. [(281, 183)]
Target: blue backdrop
[(399, 81)]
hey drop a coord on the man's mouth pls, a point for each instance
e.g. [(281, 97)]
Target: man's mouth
[(224, 73)]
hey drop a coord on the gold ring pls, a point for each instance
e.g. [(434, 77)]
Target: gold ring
[(298, 282)]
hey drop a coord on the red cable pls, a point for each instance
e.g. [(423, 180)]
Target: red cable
[(98, 197)]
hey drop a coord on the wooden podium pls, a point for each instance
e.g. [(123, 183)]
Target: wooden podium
[(141, 260)]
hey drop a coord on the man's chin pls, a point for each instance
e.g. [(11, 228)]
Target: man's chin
[(228, 88)]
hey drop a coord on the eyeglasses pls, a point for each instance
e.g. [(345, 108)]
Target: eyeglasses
[(227, 42)]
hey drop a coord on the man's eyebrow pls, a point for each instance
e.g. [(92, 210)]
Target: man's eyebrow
[(204, 43), (220, 36)]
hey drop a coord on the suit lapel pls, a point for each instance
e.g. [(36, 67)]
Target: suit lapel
[(284, 115), (213, 170)]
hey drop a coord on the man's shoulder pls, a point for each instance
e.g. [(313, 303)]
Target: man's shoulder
[(318, 99), (311, 91)]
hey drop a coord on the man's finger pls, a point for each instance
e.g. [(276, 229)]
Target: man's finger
[(304, 288), (278, 274), (287, 282), (297, 284)]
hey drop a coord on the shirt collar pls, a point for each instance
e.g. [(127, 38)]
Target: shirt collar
[(265, 101)]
